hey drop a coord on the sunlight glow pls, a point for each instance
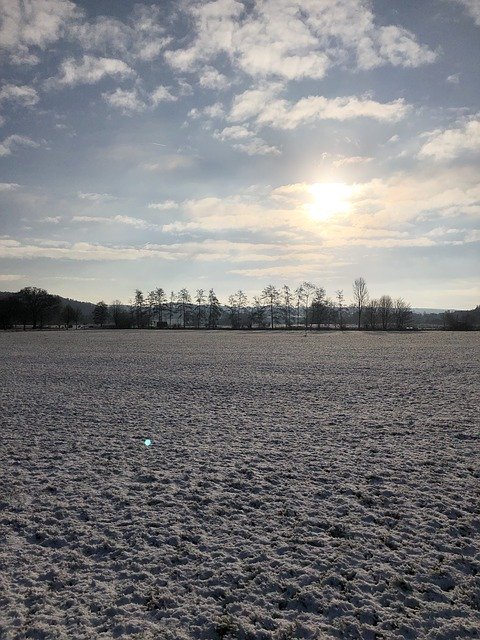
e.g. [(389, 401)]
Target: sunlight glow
[(329, 199)]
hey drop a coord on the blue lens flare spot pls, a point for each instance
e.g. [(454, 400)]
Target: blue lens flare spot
[(147, 442)]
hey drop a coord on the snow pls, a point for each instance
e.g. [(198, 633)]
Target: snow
[(320, 487)]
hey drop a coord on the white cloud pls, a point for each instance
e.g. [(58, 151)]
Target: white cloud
[(35, 24), (282, 114), (454, 78), (451, 143), (393, 45), (167, 205), (214, 110), (138, 223), (161, 94), (211, 111), (80, 279), (28, 24), (95, 219), (105, 33), (52, 219), (10, 277), (341, 162), (236, 132), (82, 251), (127, 101), (148, 32), (95, 197), (209, 250), (22, 56), (169, 163), (285, 271), (141, 37), (184, 88), (380, 217), (210, 78), (90, 70), (250, 103), (378, 213), (406, 197), (256, 147), (22, 94), (246, 141), (293, 39), (11, 143), (131, 101), (9, 186), (234, 212), (472, 7)]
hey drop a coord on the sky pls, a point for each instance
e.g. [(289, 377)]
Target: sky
[(237, 143)]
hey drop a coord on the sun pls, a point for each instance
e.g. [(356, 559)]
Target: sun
[(329, 199)]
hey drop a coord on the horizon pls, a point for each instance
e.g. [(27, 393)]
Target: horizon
[(209, 144), (223, 299)]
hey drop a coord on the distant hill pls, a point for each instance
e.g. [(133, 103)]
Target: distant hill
[(85, 308)]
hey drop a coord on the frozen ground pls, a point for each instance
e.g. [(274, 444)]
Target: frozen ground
[(318, 487)]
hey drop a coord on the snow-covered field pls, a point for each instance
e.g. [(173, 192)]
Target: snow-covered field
[(296, 487)]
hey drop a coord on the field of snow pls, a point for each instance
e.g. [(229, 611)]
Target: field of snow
[(296, 487)]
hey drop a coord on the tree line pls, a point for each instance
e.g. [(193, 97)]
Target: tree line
[(304, 307), (307, 306)]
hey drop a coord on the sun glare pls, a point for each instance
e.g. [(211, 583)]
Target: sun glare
[(329, 199)]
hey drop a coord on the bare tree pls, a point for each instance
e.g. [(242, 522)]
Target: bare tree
[(319, 310), (298, 303), (200, 299), (272, 296), (214, 310), (257, 313), (287, 297), (171, 307), (69, 315), (340, 308), (120, 315), (385, 305), (150, 308), (139, 309), (402, 313), (233, 311), (100, 313), (184, 299), (38, 305), (360, 297), (156, 300), (372, 314), (160, 302), (308, 290), (242, 302)]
